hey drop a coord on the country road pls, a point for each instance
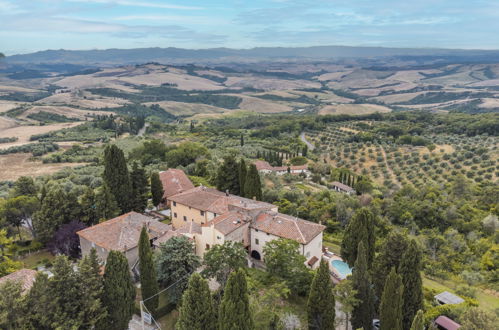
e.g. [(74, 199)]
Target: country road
[(309, 145)]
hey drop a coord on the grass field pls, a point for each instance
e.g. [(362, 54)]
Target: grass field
[(36, 259)]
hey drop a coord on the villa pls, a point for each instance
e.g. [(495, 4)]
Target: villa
[(264, 167), (340, 187), (174, 182)]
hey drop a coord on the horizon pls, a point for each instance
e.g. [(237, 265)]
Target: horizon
[(31, 26)]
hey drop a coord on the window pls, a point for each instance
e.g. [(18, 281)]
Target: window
[(185, 218), (175, 214), (268, 234), (256, 230), (218, 237), (202, 213), (207, 246), (257, 241), (214, 214), (174, 203)]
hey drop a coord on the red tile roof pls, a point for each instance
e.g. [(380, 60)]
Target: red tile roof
[(122, 233), (25, 276), (212, 200), (263, 165), (447, 323), (285, 226), (228, 222), (174, 181), (342, 186)]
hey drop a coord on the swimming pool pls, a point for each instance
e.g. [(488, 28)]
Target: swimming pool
[(342, 268)]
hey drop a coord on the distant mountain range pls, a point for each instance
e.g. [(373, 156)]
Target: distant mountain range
[(111, 57)]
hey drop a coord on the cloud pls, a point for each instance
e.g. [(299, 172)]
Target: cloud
[(146, 4)]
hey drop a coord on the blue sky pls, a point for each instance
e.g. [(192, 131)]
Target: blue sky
[(31, 25)]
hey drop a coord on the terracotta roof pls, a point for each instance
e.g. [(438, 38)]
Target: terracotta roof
[(285, 226), (212, 200), (25, 276), (122, 233), (228, 222), (342, 186), (263, 165), (190, 227), (164, 238), (174, 181), (447, 323), (292, 168)]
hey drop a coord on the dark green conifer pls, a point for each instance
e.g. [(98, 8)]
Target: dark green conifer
[(252, 185), (410, 271), (243, 169), (418, 322), (227, 178), (242, 140), (321, 304), (107, 208), (117, 178), (138, 180), (119, 292), (359, 229), (148, 279), (89, 208), (156, 189), (391, 303), (234, 311), (197, 311), (363, 312), (92, 288)]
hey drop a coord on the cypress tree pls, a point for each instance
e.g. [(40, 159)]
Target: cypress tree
[(362, 313), (391, 303), (107, 208), (252, 185), (148, 280), (410, 271), (359, 229), (389, 257), (418, 322), (89, 208), (138, 180), (117, 178), (156, 189), (234, 311), (242, 176), (304, 151), (228, 176), (242, 140), (92, 288), (197, 311), (321, 304), (119, 292)]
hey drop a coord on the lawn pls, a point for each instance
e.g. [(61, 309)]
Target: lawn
[(37, 259), (485, 300)]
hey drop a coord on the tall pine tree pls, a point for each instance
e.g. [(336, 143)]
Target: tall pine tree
[(242, 176), (359, 229), (321, 304), (363, 312), (391, 303), (410, 271), (234, 311), (89, 208), (197, 311), (148, 278), (418, 322), (91, 284), (107, 208), (119, 292), (227, 178), (252, 184), (389, 257), (138, 180), (156, 189), (117, 178)]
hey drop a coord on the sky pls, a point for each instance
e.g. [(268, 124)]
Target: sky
[(32, 25)]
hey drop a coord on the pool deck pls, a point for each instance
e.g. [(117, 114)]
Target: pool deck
[(329, 256)]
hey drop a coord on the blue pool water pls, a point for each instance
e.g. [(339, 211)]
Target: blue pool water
[(342, 268)]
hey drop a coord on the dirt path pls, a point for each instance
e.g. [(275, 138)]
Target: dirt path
[(309, 145), (143, 130)]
